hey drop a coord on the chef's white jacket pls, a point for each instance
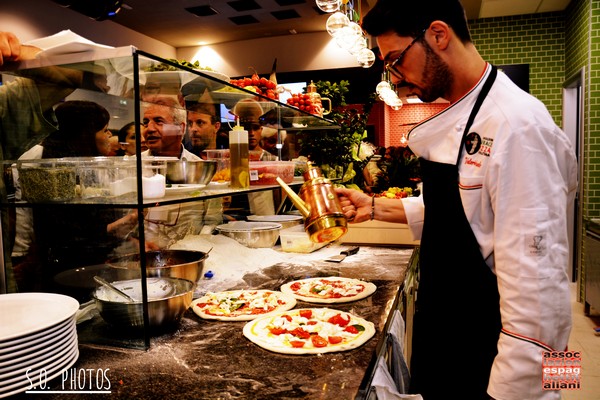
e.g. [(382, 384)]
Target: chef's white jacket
[(517, 191)]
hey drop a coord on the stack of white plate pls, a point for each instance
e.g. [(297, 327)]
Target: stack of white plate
[(38, 339)]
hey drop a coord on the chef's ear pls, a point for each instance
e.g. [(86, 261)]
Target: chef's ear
[(440, 34)]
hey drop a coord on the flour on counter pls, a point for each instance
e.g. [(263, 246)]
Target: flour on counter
[(229, 260)]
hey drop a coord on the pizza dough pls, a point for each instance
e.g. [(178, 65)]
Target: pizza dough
[(241, 305), (309, 331), (329, 290)]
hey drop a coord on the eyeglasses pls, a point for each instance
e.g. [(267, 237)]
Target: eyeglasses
[(391, 67)]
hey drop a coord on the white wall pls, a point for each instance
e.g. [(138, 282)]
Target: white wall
[(305, 52), (32, 19)]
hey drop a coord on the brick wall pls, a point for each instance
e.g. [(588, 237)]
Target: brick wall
[(534, 39)]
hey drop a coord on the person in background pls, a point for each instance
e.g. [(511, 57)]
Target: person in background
[(82, 131), (249, 112), (499, 179), (164, 122), (40, 247), (127, 136), (26, 112), (269, 142), (203, 125)]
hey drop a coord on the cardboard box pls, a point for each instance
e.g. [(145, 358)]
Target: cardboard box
[(378, 232)]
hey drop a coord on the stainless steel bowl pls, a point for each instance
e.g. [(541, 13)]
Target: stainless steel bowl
[(185, 264), (286, 221), (252, 234), (191, 172), (164, 309)]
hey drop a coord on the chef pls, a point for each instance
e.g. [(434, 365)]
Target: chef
[(499, 178)]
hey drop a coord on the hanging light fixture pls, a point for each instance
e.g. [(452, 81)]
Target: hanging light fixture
[(344, 26), (328, 6), (386, 93), (335, 22), (366, 58)]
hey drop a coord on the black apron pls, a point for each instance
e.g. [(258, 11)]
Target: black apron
[(457, 317)]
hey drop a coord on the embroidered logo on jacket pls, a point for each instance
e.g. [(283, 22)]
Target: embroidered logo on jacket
[(472, 143), (486, 146)]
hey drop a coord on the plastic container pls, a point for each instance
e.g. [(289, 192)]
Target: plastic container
[(106, 176), (286, 221), (154, 181), (47, 180), (296, 240), (266, 172), (222, 157)]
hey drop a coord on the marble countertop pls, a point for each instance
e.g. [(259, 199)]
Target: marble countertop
[(213, 360)]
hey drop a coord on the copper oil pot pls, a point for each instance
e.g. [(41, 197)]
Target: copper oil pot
[(319, 204)]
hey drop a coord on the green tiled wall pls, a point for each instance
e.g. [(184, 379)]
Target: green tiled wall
[(534, 39)]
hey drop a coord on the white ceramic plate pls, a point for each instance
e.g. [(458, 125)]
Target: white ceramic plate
[(44, 354), (44, 363), (183, 188), (26, 350), (49, 372), (27, 313), (12, 345), (230, 99), (219, 184)]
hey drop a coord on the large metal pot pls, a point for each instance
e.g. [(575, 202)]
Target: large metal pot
[(191, 172), (164, 309), (185, 264), (252, 234)]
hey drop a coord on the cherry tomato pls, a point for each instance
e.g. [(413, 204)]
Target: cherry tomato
[(318, 341), (351, 329), (289, 318), (277, 330), (306, 314), (339, 320), (334, 339), (297, 343), (300, 333)]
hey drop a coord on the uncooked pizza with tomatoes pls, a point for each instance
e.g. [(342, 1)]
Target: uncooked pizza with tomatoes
[(309, 331), (241, 305), (331, 289)]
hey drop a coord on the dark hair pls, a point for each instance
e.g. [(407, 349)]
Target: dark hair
[(78, 123), (205, 108), (410, 17), (124, 130)]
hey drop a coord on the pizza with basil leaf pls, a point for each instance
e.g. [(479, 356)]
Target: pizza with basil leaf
[(309, 331), (331, 289), (241, 305)]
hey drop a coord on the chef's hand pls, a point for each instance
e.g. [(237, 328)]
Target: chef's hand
[(12, 50), (356, 205)]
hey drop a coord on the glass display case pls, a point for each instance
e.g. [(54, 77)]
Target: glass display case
[(76, 212)]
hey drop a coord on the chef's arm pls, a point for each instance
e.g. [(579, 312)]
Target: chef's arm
[(359, 207)]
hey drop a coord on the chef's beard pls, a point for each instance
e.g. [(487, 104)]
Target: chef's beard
[(437, 77)]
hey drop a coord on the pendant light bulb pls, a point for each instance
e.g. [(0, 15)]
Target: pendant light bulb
[(328, 6), (381, 86), (366, 58), (335, 22)]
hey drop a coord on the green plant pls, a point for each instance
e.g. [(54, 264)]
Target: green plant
[(340, 153)]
